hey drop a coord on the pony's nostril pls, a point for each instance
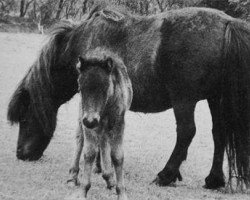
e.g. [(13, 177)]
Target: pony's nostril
[(19, 150), (19, 153), (90, 124)]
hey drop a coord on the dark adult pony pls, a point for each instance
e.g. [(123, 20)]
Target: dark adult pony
[(174, 60)]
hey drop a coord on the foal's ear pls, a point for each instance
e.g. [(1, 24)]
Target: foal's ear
[(80, 64), (109, 65)]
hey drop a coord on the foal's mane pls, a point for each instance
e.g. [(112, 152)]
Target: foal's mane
[(99, 55), (36, 88)]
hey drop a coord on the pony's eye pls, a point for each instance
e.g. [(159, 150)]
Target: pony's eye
[(24, 121), (78, 67), (78, 88)]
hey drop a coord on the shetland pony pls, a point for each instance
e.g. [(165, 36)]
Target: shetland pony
[(174, 60), (106, 94)]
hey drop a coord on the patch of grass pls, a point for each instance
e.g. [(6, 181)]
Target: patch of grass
[(149, 141)]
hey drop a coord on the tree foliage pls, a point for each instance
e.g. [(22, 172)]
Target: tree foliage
[(6, 6), (235, 8), (48, 11)]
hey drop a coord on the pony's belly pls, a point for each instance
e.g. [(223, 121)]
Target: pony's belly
[(151, 102)]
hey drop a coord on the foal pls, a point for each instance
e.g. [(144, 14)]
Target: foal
[(106, 93)]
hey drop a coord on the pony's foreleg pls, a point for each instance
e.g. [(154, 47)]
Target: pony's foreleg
[(74, 170), (215, 179), (184, 114), (107, 170), (97, 166), (90, 150), (117, 156)]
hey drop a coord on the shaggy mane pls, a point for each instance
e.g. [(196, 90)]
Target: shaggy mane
[(36, 88)]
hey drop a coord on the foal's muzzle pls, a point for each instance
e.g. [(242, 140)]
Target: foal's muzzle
[(93, 123)]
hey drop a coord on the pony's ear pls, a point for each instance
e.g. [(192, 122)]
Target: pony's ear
[(18, 105), (112, 15), (81, 63), (109, 64)]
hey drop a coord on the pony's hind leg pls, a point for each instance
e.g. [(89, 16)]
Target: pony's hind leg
[(74, 170), (215, 179), (184, 114), (107, 170)]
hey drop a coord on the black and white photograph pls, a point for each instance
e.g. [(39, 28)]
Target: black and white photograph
[(125, 99)]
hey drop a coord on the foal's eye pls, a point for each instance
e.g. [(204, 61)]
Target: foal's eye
[(82, 64)]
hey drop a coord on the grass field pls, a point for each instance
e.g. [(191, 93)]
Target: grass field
[(149, 141)]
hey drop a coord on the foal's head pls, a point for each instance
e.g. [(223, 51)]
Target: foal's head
[(95, 86)]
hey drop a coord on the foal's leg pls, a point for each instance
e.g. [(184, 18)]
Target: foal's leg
[(97, 166), (184, 114), (215, 179), (117, 156), (107, 170), (90, 150), (74, 170)]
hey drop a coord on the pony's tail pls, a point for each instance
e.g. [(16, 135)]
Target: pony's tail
[(235, 102)]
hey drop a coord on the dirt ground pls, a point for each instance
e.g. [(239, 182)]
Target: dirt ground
[(149, 140)]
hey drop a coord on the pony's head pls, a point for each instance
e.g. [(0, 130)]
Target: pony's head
[(35, 102), (32, 140), (95, 86)]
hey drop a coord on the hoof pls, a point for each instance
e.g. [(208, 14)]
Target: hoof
[(214, 182), (111, 184), (73, 182), (110, 181), (168, 179)]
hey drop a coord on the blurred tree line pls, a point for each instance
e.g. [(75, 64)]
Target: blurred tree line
[(47, 12)]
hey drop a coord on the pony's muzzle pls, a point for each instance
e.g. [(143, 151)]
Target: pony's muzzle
[(90, 122), (27, 154)]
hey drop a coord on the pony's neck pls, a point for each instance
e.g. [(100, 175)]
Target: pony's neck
[(64, 90)]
